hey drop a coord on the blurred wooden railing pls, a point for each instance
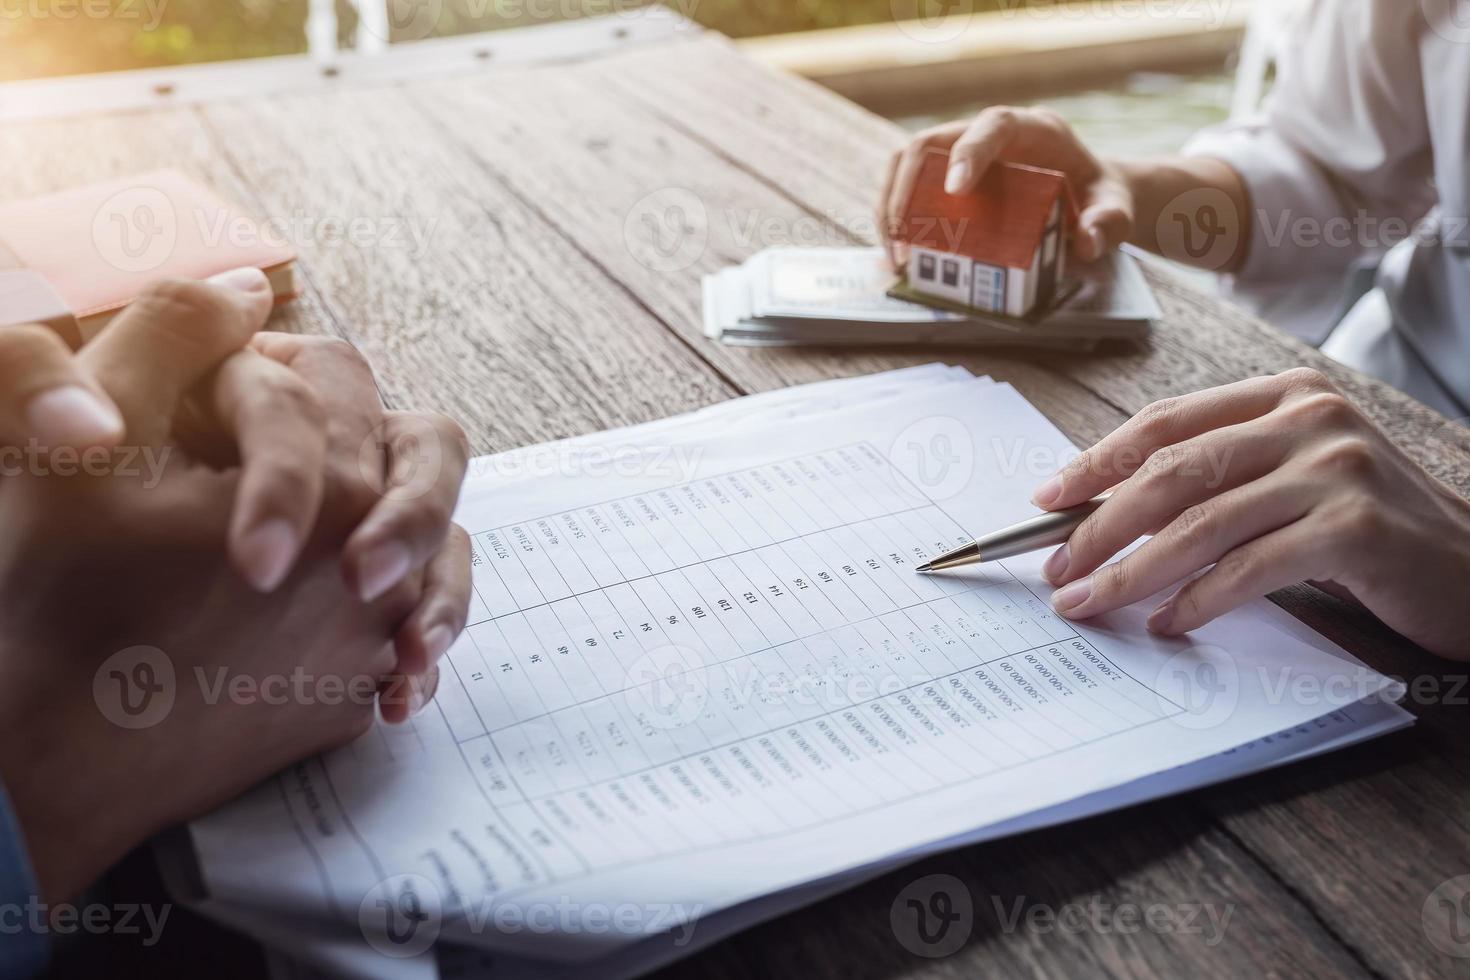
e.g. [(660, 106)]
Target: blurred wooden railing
[(900, 67)]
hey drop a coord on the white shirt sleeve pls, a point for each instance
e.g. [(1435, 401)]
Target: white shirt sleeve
[(1338, 164)]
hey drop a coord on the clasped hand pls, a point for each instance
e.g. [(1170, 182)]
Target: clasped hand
[(286, 526)]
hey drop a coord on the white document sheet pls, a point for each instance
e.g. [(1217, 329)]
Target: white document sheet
[(1329, 733), (701, 672), (298, 953)]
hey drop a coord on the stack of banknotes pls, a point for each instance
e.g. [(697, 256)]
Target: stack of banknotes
[(784, 297)]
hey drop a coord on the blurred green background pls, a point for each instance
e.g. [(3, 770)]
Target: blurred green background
[(1141, 114), (66, 37)]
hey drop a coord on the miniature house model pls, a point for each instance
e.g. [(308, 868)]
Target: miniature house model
[(999, 248)]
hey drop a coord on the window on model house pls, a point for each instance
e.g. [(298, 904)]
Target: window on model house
[(989, 289), (926, 267), (951, 272)]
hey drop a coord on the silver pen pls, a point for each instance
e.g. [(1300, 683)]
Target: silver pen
[(1044, 531)]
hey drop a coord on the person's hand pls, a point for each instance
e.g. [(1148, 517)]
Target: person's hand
[(46, 399), (283, 418), (410, 465), (1038, 137), (52, 402), (295, 414), (120, 555), (1263, 484)]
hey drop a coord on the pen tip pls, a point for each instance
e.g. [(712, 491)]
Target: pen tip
[(925, 568)]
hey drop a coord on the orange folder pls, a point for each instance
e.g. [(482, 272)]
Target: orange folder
[(99, 245)]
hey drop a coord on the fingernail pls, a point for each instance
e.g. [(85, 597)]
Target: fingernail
[(1161, 618), (246, 279), (1048, 492), (266, 554), (1068, 600), (437, 641), (954, 180), (1099, 241), (382, 568), (1056, 565), (72, 416), (422, 691), (398, 690)]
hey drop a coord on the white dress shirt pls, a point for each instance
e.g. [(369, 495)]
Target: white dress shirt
[(1363, 151)]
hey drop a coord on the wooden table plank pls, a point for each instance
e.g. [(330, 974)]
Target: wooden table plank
[(591, 163), (499, 322), (1087, 870), (172, 86), (493, 320)]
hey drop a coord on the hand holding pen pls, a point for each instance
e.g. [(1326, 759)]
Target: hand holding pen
[(1258, 485)]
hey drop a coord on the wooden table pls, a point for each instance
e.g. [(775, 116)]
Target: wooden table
[(537, 308)]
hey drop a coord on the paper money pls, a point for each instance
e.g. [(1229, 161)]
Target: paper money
[(841, 296)]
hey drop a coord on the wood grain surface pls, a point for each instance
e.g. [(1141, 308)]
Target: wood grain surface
[(518, 295)]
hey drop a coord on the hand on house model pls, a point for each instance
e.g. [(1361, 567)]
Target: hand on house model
[(1116, 201)]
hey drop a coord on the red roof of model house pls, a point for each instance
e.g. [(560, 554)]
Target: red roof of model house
[(1002, 222)]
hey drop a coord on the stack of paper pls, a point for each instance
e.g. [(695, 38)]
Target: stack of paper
[(703, 686), (840, 296)]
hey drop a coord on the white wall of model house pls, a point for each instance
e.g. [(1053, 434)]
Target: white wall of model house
[(960, 279)]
